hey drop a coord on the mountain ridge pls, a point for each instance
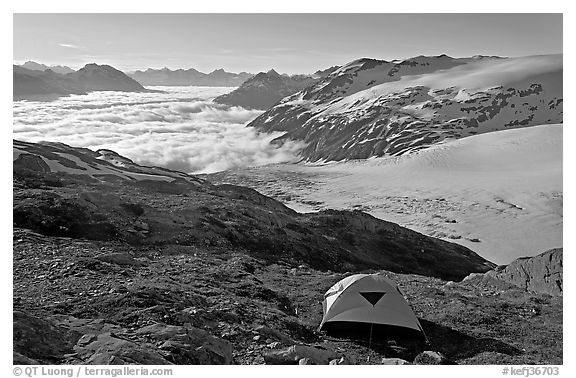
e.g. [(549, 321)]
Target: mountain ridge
[(372, 107), (265, 89), (31, 65), (28, 83), (190, 76)]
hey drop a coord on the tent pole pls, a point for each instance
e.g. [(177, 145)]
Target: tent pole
[(370, 339)]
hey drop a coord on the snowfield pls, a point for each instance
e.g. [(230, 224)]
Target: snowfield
[(499, 194)]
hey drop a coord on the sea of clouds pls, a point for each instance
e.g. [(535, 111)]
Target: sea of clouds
[(181, 129)]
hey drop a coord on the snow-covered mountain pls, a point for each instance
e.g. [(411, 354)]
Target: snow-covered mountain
[(373, 107), (181, 77), (266, 89)]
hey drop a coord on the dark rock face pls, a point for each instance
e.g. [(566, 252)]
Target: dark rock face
[(541, 274)]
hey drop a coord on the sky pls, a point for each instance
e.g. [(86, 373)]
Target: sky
[(289, 43)]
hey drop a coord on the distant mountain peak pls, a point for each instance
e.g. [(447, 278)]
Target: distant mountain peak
[(189, 76), (265, 89), (100, 66), (35, 66), (478, 56), (103, 77)]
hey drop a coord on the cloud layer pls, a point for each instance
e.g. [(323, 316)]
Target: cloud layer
[(181, 129)]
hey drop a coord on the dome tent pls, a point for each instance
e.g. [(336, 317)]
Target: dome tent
[(368, 299)]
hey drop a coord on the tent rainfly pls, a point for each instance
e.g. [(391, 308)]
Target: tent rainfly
[(370, 299)]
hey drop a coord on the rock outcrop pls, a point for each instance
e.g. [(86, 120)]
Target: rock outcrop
[(542, 273)]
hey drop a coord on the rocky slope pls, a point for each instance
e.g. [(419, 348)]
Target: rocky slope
[(51, 157), (541, 274), (373, 108), (107, 302), (89, 194), (92, 77), (119, 268), (166, 76), (266, 89)]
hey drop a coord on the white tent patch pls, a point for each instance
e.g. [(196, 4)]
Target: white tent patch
[(368, 298)]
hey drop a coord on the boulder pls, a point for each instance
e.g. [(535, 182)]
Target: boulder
[(107, 349), (274, 345), (19, 359), (195, 316), (274, 334), (85, 327), (394, 361), (119, 259), (86, 339), (293, 354), (140, 225), (344, 360), (188, 345), (306, 361), (39, 339), (431, 358)]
